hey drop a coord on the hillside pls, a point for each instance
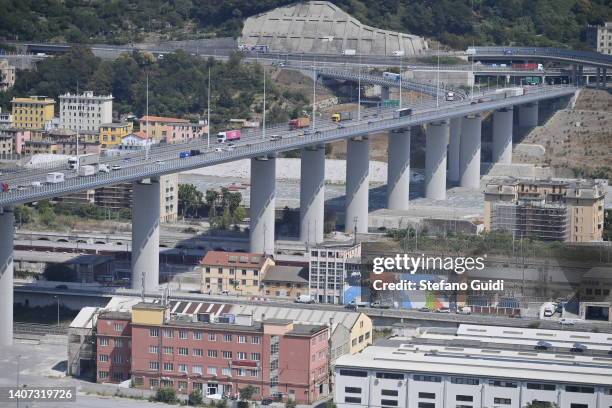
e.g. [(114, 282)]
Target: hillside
[(453, 22)]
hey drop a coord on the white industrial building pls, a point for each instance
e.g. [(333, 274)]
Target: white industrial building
[(480, 366), (330, 268), (85, 112)]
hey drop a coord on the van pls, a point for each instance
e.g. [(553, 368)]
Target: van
[(548, 311), (304, 299)]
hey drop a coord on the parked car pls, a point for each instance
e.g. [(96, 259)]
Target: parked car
[(380, 305), (350, 306), (116, 167), (566, 322), (443, 309), (424, 309)]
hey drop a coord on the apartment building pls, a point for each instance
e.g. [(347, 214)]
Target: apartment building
[(111, 134), (85, 112), (219, 356), (6, 119), (6, 144), (551, 210), (171, 130), (32, 112), (285, 281), (330, 267), (235, 273), (600, 37), (7, 75), (479, 366), (135, 141)]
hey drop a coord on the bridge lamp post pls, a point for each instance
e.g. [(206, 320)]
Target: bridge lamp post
[(58, 314)]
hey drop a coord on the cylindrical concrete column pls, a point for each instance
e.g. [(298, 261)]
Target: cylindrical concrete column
[(263, 194), (312, 194), (528, 115), (6, 277), (502, 136), (435, 160), (469, 158), (398, 170), (454, 149), (145, 234), (604, 78), (357, 184), (384, 92), (598, 78)]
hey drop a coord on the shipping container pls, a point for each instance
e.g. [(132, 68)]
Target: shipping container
[(299, 123)]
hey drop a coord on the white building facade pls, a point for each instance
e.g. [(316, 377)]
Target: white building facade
[(85, 112), (329, 267), (420, 375)]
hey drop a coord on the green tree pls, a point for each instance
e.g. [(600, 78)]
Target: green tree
[(23, 215), (211, 198), (246, 393), (189, 197), (290, 404), (167, 395), (195, 398)]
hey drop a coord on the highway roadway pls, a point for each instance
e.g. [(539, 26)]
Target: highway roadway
[(164, 159)]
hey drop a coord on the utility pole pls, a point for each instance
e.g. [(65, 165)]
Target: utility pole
[(400, 83), (208, 118), (359, 92), (438, 79), (147, 122), (263, 133), (314, 96)]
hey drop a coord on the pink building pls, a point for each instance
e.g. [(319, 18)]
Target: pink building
[(114, 345), (19, 136), (171, 130), (202, 347)]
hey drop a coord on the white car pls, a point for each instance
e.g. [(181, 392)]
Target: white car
[(566, 322), (218, 149), (115, 167)]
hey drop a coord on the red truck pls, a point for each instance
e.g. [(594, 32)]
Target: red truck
[(4, 187), (299, 123), (528, 66), (228, 136)]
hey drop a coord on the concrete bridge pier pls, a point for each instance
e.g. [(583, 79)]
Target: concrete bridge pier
[(6, 276), (528, 115), (145, 234), (469, 158), (398, 170), (580, 81), (502, 136), (263, 197), (435, 160), (598, 78), (384, 92), (604, 78), (357, 184), (454, 149), (312, 194)]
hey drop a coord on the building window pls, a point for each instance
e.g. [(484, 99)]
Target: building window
[(168, 350), (241, 355), (153, 365), (241, 339), (212, 337), (580, 389), (154, 332), (352, 400), (388, 403), (465, 398), (168, 333), (427, 378), (103, 358), (227, 354), (182, 368), (212, 353), (538, 386), (183, 334), (182, 385), (226, 371), (196, 369), (355, 373), (255, 356), (118, 342), (198, 352), (118, 327), (102, 375), (168, 367), (465, 380), (153, 349), (426, 405), (227, 337), (427, 395), (103, 341), (579, 406), (255, 340), (183, 351), (502, 401), (212, 370), (389, 393), (505, 384), (197, 335)]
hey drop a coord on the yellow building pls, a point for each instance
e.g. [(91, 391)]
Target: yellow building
[(361, 334), (32, 112), (550, 210), (111, 134), (235, 273)]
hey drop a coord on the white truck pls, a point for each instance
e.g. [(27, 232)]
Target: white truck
[(87, 170), (83, 160), (305, 299), (349, 52), (55, 177), (450, 96), (509, 92)]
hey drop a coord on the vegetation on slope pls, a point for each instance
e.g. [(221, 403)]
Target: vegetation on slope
[(457, 23)]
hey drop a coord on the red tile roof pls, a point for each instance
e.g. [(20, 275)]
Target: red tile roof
[(162, 119), (229, 259)]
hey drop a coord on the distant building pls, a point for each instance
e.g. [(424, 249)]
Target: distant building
[(285, 281), (479, 366), (171, 130), (550, 210), (6, 144), (18, 136), (135, 141), (6, 119), (7, 75), (600, 37), (61, 141), (594, 294), (235, 273), (156, 348), (330, 268), (111, 134), (85, 111), (32, 112)]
